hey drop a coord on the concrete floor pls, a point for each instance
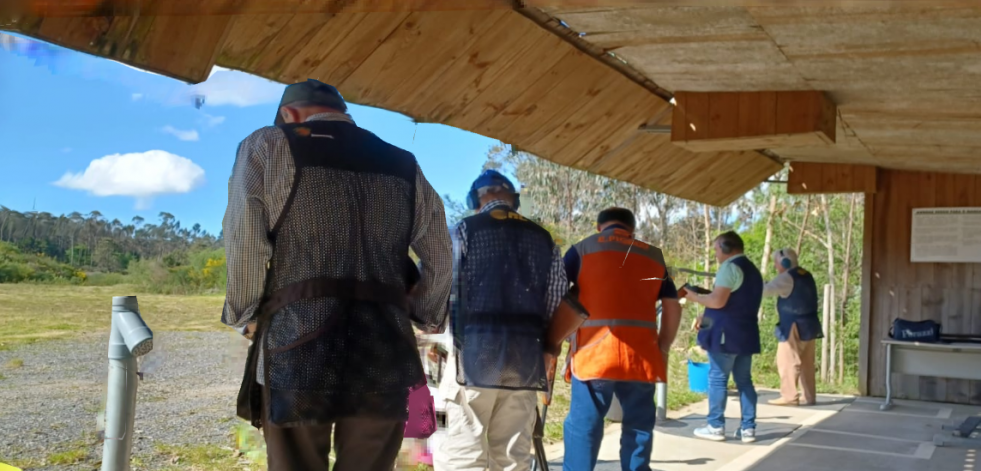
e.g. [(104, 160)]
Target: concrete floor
[(839, 434)]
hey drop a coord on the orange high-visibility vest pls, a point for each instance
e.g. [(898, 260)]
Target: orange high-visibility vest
[(619, 340)]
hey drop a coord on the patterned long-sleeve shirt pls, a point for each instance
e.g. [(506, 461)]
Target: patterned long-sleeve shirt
[(257, 194)]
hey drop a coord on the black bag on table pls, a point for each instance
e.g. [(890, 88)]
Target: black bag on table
[(915, 331)]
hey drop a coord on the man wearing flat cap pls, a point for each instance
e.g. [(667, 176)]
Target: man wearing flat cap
[(321, 216), (798, 330)]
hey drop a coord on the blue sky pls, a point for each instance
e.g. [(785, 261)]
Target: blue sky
[(80, 133)]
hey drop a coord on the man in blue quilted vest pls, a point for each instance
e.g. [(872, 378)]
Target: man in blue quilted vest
[(729, 331)]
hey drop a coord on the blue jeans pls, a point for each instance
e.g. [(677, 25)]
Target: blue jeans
[(583, 430), (721, 365)]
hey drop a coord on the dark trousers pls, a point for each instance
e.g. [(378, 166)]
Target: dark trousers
[(363, 444)]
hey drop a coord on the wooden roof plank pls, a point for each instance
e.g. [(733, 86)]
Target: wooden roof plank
[(185, 8), (178, 47), (522, 74), (249, 36), (317, 50), (608, 134), (284, 45), (190, 45), (519, 108), (485, 60), (433, 62), (530, 120), (397, 59), (355, 48), (574, 125)]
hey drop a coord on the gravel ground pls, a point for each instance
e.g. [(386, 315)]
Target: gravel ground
[(53, 402)]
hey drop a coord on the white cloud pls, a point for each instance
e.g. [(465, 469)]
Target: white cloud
[(191, 135), (140, 175), (229, 87), (212, 121), (137, 96)]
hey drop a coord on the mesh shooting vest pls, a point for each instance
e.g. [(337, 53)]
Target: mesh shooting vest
[(502, 318), (335, 328)]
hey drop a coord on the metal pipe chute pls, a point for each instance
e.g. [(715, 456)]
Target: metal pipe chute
[(129, 338)]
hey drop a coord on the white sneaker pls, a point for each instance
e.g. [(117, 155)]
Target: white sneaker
[(747, 435), (709, 432)]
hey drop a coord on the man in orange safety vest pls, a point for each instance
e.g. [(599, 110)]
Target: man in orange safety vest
[(620, 350)]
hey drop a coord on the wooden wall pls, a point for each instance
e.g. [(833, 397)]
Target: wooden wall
[(949, 293)]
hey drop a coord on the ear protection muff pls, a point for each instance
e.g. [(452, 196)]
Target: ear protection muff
[(724, 245), (473, 201), (784, 261)]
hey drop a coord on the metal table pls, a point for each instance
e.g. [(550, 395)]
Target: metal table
[(943, 360)]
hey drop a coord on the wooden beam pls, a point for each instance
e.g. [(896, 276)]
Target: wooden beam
[(726, 121), (865, 319), (743, 3), (184, 48), (807, 178), (84, 8), (75, 8)]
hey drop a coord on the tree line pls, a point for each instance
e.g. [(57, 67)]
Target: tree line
[(93, 242), (161, 257)]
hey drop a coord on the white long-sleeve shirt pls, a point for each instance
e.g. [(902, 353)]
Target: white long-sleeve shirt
[(782, 285)]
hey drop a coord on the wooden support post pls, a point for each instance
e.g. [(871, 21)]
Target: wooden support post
[(832, 339), (824, 343)]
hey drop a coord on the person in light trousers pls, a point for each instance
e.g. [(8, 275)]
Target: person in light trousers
[(798, 330), (508, 280)]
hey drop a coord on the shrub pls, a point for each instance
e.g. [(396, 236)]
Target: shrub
[(12, 272), (18, 267), (205, 272)]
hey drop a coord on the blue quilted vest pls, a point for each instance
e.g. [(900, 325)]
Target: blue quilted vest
[(735, 328), (800, 308)]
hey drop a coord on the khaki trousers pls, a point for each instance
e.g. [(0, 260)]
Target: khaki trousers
[(488, 429), (363, 444), (795, 362)]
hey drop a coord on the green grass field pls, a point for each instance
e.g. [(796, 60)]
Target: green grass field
[(34, 312)]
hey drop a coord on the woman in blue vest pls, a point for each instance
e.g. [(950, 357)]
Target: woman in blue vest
[(799, 327), (729, 331)]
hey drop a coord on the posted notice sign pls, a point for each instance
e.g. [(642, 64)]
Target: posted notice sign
[(946, 235)]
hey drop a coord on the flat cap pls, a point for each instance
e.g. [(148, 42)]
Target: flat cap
[(313, 92)]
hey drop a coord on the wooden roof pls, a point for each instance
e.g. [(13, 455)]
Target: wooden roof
[(905, 76), (906, 79)]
